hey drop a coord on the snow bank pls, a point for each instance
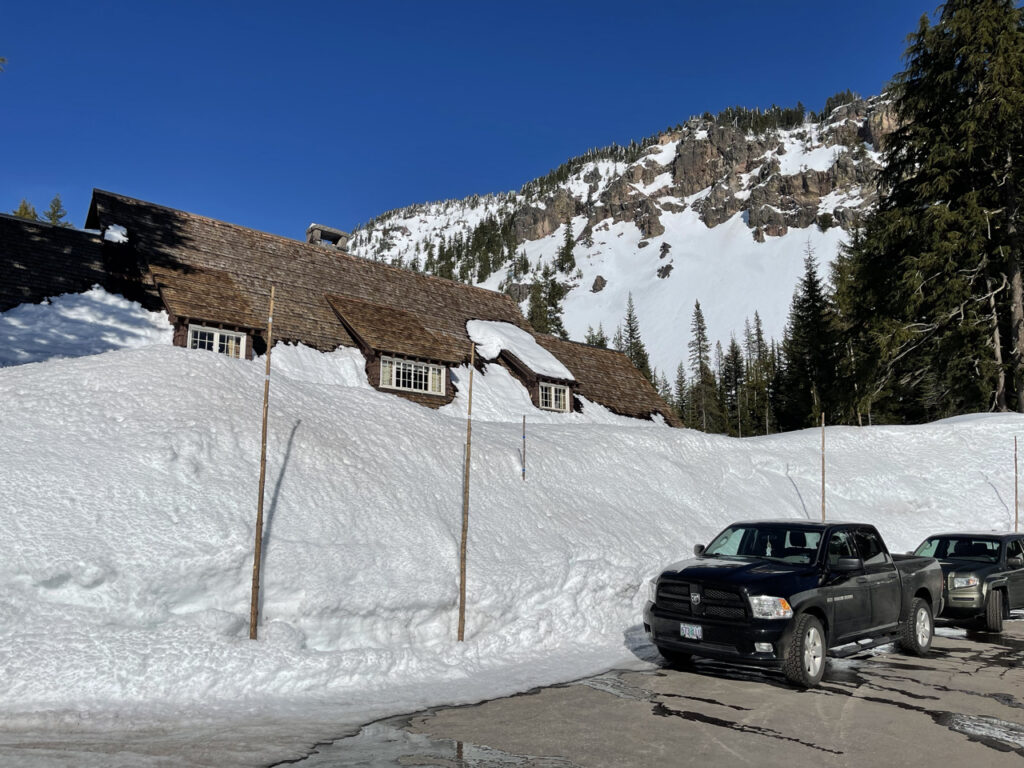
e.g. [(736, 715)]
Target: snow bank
[(72, 325), (129, 484)]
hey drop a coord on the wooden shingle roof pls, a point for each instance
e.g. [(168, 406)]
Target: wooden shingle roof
[(40, 260), (607, 377), (388, 329), (195, 260)]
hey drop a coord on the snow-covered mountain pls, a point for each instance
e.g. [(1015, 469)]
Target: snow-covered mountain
[(711, 211)]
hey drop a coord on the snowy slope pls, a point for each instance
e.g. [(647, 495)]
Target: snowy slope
[(129, 483), (730, 271)]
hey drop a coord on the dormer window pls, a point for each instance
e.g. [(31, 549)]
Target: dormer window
[(230, 343), (396, 373), (554, 397)]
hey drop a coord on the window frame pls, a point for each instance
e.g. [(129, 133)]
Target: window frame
[(241, 336), (553, 388), (432, 374)]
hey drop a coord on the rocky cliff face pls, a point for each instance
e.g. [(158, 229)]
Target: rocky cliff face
[(816, 174), (709, 196)]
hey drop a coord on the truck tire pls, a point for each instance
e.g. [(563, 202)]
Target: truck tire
[(675, 657), (994, 611), (917, 631), (804, 664)]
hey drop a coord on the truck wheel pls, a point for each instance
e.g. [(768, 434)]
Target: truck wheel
[(804, 664), (917, 631), (994, 611), (675, 657)]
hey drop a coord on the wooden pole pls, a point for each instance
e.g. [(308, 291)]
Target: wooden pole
[(524, 447), (258, 553), (465, 500), (1016, 504), (823, 467)]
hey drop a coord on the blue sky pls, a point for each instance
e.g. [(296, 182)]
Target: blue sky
[(273, 115)]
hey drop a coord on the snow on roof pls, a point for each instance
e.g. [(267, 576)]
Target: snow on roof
[(115, 233), (491, 337)]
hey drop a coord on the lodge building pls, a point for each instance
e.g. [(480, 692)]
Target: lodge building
[(213, 279)]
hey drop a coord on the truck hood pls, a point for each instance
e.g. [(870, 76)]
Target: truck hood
[(758, 576)]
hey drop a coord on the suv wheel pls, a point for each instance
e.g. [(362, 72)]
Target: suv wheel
[(994, 611)]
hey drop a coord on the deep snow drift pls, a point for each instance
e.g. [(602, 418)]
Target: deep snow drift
[(129, 483)]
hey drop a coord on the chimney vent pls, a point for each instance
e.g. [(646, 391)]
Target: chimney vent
[(318, 234)]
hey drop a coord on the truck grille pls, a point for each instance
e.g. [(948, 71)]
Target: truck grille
[(716, 601)]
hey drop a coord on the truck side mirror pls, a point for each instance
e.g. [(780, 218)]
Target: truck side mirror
[(847, 565), (1015, 563), (698, 549)]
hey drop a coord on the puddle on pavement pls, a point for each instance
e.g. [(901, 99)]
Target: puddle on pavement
[(387, 743)]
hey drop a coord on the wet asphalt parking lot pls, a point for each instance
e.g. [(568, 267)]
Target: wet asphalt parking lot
[(963, 705)]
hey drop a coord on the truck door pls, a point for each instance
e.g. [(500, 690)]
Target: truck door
[(1015, 576), (883, 583), (846, 594)]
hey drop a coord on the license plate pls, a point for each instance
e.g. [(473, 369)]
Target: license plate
[(691, 631)]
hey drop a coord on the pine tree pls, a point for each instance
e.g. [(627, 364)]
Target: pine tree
[(633, 345), (596, 338), (733, 385), (682, 395), (26, 210), (806, 383), (704, 389), (618, 342), (564, 260), (931, 293)]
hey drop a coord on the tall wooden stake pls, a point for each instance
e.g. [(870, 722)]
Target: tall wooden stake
[(1016, 504), (258, 554), (465, 500), (524, 447), (823, 467)]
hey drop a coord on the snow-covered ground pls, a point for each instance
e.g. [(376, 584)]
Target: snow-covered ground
[(129, 488)]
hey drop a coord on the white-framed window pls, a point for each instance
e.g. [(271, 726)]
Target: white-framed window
[(554, 397), (230, 343), (396, 373)]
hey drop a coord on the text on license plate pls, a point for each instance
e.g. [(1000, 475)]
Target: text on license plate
[(691, 631)]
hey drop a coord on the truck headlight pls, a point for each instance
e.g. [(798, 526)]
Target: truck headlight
[(652, 590), (959, 582), (765, 607)]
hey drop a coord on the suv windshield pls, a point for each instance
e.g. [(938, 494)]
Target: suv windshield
[(778, 542), (960, 548)]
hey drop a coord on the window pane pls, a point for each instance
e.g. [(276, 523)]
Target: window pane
[(545, 396), (419, 377), (387, 372), (201, 339), (403, 374), (230, 344), (559, 398), (871, 548), (435, 379)]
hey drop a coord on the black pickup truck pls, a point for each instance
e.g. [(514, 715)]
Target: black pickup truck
[(984, 575), (783, 593)]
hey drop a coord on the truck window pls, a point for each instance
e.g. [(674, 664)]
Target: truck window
[(871, 549), (840, 544), (1015, 549), (727, 542)]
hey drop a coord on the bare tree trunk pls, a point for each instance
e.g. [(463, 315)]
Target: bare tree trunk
[(1017, 330), (1000, 397)]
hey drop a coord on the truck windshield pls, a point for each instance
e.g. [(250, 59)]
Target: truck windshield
[(960, 548), (777, 542)]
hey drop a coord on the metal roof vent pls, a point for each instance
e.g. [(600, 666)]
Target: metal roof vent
[(329, 237)]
